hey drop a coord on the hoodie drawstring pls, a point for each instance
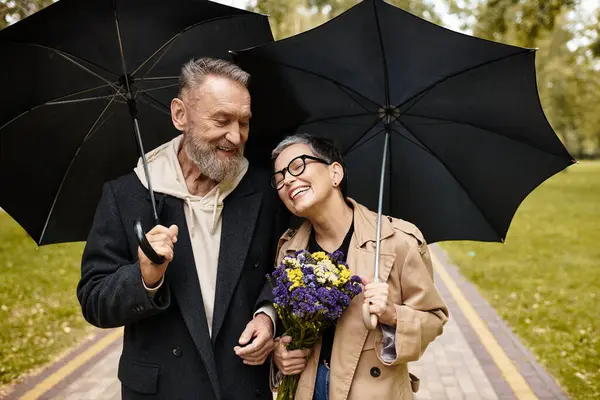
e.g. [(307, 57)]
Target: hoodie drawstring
[(215, 205), (188, 202)]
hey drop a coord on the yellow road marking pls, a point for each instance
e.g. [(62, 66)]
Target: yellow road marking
[(510, 372), (71, 366)]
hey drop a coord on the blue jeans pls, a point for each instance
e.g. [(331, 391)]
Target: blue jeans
[(322, 384)]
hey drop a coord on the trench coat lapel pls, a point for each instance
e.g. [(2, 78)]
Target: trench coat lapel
[(350, 333)]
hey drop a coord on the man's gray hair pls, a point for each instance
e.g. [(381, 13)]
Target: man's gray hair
[(195, 72)]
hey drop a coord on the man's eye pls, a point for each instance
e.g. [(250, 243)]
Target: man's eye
[(222, 122), (244, 123)]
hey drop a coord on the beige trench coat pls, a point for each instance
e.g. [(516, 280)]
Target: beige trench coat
[(357, 369)]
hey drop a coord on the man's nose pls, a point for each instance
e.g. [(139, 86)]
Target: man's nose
[(235, 135)]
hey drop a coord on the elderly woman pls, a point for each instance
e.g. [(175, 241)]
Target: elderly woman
[(351, 362)]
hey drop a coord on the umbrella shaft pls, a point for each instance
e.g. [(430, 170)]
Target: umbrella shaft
[(138, 137), (380, 201)]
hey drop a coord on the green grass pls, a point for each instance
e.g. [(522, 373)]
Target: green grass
[(39, 313), (545, 280)]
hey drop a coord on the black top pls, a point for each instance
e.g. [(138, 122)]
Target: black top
[(329, 333)]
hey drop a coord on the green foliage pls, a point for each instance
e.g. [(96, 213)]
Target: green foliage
[(545, 281), (19, 9), (520, 22), (289, 17), (39, 312)]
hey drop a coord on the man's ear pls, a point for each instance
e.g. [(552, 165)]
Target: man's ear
[(178, 114)]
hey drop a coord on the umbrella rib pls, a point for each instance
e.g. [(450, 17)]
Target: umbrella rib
[(339, 84), (361, 137), (428, 89), (82, 92), (156, 88), (373, 136), (121, 47), (163, 110), (459, 183), (87, 136), (53, 103), (156, 78), (158, 59), (71, 58), (336, 118), (524, 142), (416, 143), (383, 58), (352, 98), (168, 42)]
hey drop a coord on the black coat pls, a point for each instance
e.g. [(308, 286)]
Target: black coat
[(167, 350)]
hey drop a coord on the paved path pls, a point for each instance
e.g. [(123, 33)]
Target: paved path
[(477, 357)]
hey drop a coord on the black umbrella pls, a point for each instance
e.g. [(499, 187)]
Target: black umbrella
[(455, 121), (76, 78)]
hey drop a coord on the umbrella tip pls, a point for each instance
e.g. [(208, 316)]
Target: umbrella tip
[(573, 161)]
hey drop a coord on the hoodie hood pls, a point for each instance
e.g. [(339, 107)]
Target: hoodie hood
[(167, 178)]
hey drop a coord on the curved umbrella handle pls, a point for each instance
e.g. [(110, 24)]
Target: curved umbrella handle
[(370, 320), (145, 245)]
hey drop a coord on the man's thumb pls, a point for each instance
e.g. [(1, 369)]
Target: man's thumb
[(364, 281), (173, 231), (246, 336)]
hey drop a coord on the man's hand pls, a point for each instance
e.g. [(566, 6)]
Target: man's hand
[(259, 332), (377, 297), (289, 362), (162, 240)]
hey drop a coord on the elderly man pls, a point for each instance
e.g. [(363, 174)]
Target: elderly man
[(200, 325)]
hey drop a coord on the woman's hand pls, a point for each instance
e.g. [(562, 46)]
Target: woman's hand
[(377, 297), (289, 362)]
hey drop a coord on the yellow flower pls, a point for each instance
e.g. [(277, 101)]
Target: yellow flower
[(295, 276), (319, 256)]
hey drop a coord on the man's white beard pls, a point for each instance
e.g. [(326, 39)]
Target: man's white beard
[(205, 156)]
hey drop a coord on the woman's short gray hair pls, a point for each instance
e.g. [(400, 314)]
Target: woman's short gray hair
[(194, 72), (321, 147)]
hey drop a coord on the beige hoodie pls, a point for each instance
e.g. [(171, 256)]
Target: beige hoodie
[(202, 213)]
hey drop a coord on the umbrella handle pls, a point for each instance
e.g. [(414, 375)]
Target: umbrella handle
[(145, 245), (370, 320)]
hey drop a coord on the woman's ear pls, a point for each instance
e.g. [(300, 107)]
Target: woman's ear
[(337, 173), (179, 115)]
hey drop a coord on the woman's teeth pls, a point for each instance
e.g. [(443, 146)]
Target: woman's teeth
[(299, 190)]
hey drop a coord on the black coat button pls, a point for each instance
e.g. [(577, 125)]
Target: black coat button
[(375, 372), (177, 352), (258, 392)]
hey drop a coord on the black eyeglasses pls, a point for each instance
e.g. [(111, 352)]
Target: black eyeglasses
[(295, 167)]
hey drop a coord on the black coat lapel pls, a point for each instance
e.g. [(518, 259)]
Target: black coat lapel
[(183, 279), (240, 212)]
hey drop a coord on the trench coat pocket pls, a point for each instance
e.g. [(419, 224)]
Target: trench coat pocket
[(138, 376)]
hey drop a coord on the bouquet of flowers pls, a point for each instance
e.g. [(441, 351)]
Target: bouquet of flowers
[(310, 293)]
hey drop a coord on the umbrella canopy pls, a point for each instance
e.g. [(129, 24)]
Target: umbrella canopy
[(74, 75), (456, 120)]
